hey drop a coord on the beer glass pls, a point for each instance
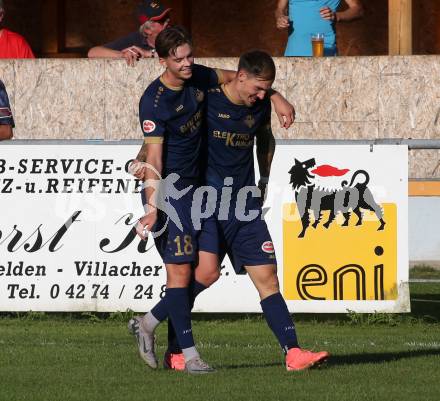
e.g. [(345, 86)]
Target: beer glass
[(318, 44)]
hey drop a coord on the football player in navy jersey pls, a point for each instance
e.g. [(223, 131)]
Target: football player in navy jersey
[(238, 113), (171, 115), (6, 119)]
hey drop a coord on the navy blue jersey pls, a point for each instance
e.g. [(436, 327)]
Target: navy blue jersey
[(231, 136), (175, 117), (5, 108)]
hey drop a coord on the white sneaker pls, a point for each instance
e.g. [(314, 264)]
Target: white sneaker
[(145, 341), (197, 366)]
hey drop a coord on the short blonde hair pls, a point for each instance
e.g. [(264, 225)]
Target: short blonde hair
[(142, 28)]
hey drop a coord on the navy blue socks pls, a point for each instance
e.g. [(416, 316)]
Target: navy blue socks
[(179, 313), (279, 320), (160, 310), (195, 288)]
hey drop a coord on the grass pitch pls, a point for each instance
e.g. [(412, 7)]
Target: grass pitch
[(374, 357)]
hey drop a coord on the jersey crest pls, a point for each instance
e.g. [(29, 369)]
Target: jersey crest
[(200, 96), (249, 121)]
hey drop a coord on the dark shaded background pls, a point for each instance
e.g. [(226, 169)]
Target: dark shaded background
[(60, 28)]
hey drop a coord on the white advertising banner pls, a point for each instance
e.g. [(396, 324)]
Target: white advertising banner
[(337, 214)]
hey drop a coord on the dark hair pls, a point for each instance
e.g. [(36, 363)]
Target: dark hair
[(170, 39), (259, 64)]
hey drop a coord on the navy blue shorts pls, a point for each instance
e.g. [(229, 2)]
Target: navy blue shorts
[(177, 242), (247, 243)]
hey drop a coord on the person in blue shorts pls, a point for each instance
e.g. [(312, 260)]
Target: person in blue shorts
[(239, 115), (6, 119), (303, 18), (171, 113)]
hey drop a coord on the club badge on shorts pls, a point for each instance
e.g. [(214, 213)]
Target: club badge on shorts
[(267, 247)]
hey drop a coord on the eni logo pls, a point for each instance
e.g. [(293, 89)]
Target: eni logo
[(339, 241), (225, 116), (341, 262), (313, 275)]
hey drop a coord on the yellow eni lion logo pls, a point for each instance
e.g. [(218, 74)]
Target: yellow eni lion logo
[(344, 258)]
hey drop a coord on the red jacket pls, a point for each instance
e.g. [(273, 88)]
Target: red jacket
[(13, 45)]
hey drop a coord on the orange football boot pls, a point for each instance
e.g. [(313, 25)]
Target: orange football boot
[(300, 359), (174, 361)]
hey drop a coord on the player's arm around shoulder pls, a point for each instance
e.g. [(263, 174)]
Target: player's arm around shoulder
[(208, 77), (284, 110)]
